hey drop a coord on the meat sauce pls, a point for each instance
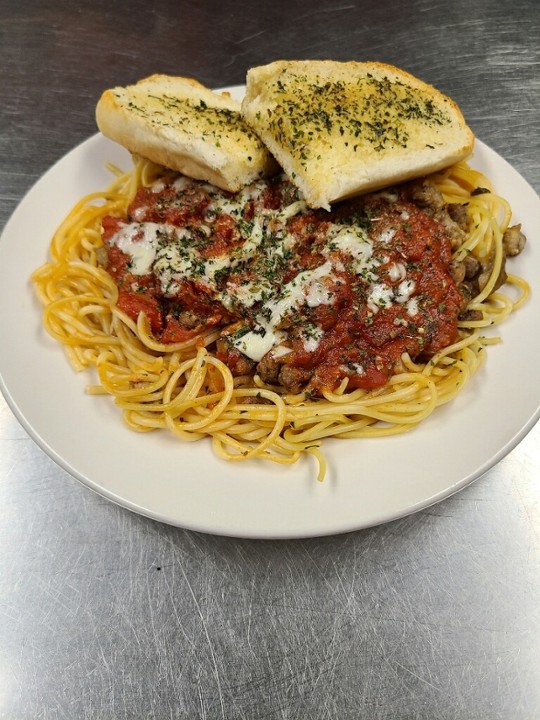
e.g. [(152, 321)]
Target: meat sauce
[(305, 298)]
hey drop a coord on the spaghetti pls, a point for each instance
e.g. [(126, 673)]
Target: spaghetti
[(184, 385)]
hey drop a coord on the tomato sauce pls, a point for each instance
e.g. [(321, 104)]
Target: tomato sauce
[(325, 296)]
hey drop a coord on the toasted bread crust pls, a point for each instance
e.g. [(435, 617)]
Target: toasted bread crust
[(340, 129), (179, 123)]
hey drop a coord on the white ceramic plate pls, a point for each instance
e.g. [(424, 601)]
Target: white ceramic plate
[(369, 481)]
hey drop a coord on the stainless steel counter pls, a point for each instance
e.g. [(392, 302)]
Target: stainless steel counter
[(106, 614)]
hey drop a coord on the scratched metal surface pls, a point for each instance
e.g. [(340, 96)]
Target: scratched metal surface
[(104, 614)]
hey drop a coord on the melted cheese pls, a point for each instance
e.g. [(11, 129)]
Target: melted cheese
[(311, 338), (380, 296), (140, 241), (256, 343)]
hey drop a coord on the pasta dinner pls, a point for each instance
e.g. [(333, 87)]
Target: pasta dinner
[(245, 312)]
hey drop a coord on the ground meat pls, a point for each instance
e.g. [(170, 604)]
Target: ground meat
[(484, 276), (472, 267), (454, 230), (459, 215), (426, 195), (238, 363), (294, 378), (458, 270), (467, 293), (268, 369), (242, 365), (291, 377), (513, 241), (188, 319), (477, 274), (473, 284)]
